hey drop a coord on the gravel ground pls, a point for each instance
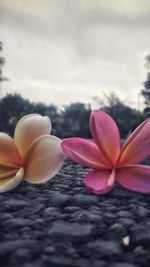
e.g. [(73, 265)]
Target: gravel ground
[(62, 224)]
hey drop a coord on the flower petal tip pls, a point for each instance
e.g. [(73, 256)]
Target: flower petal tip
[(99, 182)]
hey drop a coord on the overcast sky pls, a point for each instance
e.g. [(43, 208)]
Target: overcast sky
[(71, 50)]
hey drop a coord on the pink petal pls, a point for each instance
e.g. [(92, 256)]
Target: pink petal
[(106, 134), (100, 182), (11, 182), (135, 178), (8, 151), (84, 152), (28, 129), (137, 146), (43, 160)]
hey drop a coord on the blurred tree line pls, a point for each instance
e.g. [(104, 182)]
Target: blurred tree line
[(73, 119)]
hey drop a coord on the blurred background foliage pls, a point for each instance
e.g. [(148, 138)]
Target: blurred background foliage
[(71, 120)]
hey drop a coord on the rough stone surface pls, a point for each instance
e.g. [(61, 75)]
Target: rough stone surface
[(62, 224)]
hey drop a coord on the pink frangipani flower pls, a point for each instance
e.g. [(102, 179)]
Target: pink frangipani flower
[(108, 160), (33, 155)]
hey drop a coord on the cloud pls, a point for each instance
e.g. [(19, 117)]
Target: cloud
[(68, 51)]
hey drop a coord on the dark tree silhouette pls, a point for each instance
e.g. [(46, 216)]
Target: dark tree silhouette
[(146, 90), (73, 120), (76, 120)]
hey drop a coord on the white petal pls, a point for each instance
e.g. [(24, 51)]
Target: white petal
[(28, 129), (44, 159), (8, 151), (10, 183)]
